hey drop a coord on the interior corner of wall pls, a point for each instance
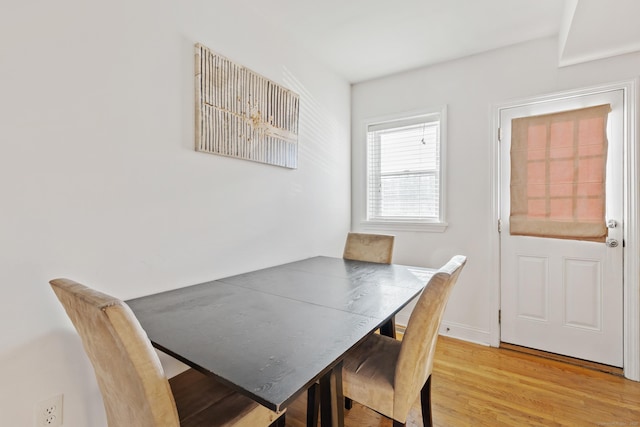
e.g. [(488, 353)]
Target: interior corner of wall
[(565, 27)]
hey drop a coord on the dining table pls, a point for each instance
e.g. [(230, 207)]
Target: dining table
[(272, 333)]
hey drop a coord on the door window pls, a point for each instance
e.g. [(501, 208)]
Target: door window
[(558, 174)]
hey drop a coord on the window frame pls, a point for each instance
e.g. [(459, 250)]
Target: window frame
[(410, 224)]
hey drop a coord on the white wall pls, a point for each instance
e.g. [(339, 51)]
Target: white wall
[(469, 87), (99, 181)]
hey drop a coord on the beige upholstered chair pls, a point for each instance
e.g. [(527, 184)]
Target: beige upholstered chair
[(369, 247), (387, 375), (134, 388)]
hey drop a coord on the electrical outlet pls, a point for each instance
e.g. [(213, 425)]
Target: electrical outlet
[(48, 413)]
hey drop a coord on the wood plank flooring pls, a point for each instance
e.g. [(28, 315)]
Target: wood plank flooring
[(474, 385)]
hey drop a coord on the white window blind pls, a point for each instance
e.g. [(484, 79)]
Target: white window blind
[(403, 170)]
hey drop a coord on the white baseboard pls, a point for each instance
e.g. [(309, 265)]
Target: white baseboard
[(458, 331), (463, 332)]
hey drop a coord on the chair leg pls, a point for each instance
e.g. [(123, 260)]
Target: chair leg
[(389, 328), (348, 403), (313, 406), (425, 401)]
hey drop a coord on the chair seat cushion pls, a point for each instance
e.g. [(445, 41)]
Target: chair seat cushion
[(203, 401), (368, 373)]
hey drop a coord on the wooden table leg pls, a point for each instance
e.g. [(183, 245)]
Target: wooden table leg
[(332, 398), (313, 405), (337, 396)]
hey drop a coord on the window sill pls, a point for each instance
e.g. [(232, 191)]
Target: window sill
[(428, 227)]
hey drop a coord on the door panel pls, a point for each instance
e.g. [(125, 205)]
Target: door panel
[(532, 286), (583, 290), (558, 295)]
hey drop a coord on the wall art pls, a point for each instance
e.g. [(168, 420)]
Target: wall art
[(241, 114)]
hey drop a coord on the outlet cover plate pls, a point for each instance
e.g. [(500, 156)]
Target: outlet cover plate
[(48, 413)]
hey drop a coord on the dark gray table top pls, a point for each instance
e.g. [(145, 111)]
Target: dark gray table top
[(271, 333)]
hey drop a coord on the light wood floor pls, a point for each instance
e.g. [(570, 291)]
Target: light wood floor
[(473, 385)]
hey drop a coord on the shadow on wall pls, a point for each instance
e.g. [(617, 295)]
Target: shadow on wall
[(319, 128), (50, 365)]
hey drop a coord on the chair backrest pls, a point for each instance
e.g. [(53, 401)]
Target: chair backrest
[(369, 247), (415, 361), (134, 388)]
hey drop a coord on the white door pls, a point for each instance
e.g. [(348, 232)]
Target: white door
[(558, 295)]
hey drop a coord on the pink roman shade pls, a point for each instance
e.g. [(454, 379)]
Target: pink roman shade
[(558, 165)]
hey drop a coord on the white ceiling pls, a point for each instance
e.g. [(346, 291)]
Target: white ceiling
[(365, 39)]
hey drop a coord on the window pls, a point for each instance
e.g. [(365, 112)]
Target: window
[(404, 171)]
